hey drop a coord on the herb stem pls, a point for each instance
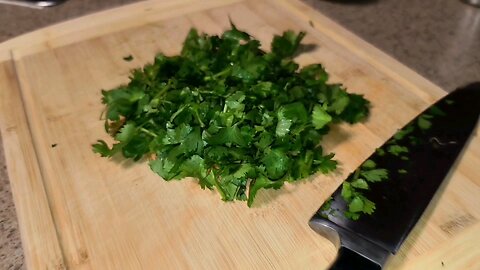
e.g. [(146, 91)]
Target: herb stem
[(197, 116), (163, 90), (146, 131), (177, 113), (219, 74)]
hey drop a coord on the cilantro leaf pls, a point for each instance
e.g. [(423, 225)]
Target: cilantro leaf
[(126, 133), (403, 132), (228, 136), (261, 182), (347, 191), (339, 100), (397, 150), (375, 175), (283, 126), (369, 164), (351, 215), (380, 151), (287, 44), (164, 167), (276, 163), (356, 205), (360, 183), (424, 122), (314, 73), (325, 164), (368, 206), (102, 148), (357, 109), (320, 117)]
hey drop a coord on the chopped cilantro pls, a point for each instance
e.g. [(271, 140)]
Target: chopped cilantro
[(403, 132), (380, 151), (423, 121), (396, 150), (360, 183), (320, 117), (375, 175), (369, 164), (235, 117), (368, 173)]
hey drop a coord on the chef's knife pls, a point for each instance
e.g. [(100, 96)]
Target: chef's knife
[(433, 141)]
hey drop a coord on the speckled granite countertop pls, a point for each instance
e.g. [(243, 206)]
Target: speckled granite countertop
[(439, 39)]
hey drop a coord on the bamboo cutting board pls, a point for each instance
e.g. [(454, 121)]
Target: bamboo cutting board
[(79, 211)]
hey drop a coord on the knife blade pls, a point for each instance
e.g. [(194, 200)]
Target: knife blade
[(431, 144)]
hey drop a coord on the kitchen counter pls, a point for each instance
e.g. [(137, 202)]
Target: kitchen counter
[(439, 40)]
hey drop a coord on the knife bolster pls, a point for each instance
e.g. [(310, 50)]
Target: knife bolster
[(351, 246)]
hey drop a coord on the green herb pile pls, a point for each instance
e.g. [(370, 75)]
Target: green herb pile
[(229, 114)]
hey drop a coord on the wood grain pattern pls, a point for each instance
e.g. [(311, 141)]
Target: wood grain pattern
[(111, 214), (38, 232)]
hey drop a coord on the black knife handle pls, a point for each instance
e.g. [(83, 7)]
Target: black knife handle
[(350, 260)]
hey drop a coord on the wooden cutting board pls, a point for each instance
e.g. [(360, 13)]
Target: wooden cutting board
[(79, 211)]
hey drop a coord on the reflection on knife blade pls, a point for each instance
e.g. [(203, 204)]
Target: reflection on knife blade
[(356, 186), (415, 161)]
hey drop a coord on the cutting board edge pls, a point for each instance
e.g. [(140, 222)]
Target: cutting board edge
[(102, 22), (41, 246)]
